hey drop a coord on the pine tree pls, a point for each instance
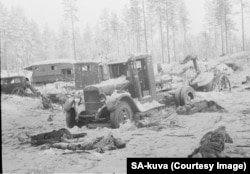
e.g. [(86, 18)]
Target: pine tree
[(70, 11)]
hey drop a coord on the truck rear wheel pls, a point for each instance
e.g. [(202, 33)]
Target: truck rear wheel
[(186, 95), (122, 113), (70, 118)]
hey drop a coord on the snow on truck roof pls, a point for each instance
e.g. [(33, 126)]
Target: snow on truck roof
[(71, 61), (88, 61), (51, 61), (60, 61)]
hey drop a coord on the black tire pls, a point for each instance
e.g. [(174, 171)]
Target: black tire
[(187, 94), (117, 116), (225, 83), (177, 96), (70, 118), (18, 91)]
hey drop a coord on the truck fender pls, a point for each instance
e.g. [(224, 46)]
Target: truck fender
[(111, 105)]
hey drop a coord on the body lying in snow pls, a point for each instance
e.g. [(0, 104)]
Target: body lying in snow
[(212, 144)]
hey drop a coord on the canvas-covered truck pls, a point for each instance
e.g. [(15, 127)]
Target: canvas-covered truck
[(116, 100)]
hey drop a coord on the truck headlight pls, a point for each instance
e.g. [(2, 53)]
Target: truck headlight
[(77, 100), (102, 98)]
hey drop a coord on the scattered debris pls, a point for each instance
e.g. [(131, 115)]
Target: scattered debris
[(233, 66), (216, 78), (75, 151), (140, 124), (201, 106), (243, 145), (172, 135), (212, 144), (57, 98), (50, 118), (47, 104)]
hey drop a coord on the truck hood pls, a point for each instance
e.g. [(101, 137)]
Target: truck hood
[(107, 87)]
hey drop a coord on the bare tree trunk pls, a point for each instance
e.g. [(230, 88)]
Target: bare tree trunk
[(215, 40), (162, 48), (145, 29), (242, 20), (108, 47), (184, 39), (152, 39), (133, 43), (167, 32), (226, 33), (117, 37), (138, 39), (128, 43), (174, 43), (231, 43), (73, 33), (222, 42)]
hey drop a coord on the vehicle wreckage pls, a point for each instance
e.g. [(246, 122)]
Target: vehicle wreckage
[(16, 85), (116, 100), (19, 85), (207, 81)]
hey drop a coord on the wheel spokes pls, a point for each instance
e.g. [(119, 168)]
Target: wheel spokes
[(123, 115)]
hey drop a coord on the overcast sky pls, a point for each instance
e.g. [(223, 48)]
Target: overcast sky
[(50, 12)]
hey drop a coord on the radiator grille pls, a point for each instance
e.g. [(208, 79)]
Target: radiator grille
[(92, 102)]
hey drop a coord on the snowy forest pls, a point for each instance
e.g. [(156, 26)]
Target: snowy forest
[(158, 27)]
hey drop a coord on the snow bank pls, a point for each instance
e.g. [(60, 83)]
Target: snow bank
[(56, 88), (14, 100), (148, 106), (224, 68)]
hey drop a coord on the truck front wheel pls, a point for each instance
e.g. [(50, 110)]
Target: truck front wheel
[(121, 114), (18, 91), (70, 118)]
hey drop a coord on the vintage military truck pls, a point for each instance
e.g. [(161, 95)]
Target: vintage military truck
[(116, 100)]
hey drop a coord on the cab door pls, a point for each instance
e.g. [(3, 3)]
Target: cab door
[(133, 75)]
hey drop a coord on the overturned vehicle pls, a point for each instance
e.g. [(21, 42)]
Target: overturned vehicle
[(207, 81), (116, 100)]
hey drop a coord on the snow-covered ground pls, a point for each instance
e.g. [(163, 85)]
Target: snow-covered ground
[(168, 134)]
